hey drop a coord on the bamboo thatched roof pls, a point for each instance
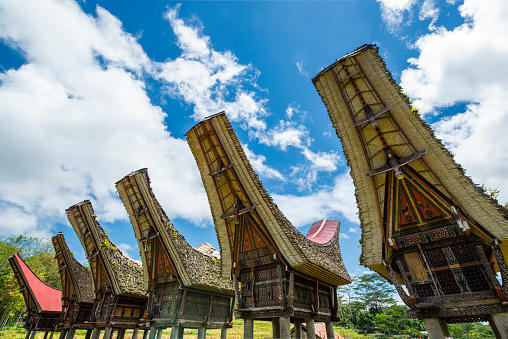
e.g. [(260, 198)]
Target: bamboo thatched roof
[(406, 133), (195, 268), (234, 188), (124, 273), (76, 279)]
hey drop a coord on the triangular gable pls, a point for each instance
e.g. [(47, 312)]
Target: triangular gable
[(252, 246), (162, 262), (43, 296), (415, 204)]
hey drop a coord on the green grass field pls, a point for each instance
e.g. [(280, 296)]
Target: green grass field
[(262, 329)]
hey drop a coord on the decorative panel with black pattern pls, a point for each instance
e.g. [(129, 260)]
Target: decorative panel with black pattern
[(419, 212), (252, 247)]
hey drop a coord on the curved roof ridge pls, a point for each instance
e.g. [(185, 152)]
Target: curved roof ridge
[(80, 276), (48, 298), (125, 273), (229, 159), (149, 220)]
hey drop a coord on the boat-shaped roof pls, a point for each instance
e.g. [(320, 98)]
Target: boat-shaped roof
[(195, 268), (36, 292), (389, 133), (124, 273), (233, 189), (72, 272)]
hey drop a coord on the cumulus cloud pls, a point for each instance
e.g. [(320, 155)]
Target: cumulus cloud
[(258, 163), (77, 117), (209, 80), (125, 248), (429, 10), (68, 132), (327, 203), (464, 66), (286, 134), (394, 12)]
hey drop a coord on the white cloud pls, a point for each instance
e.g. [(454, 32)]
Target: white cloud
[(209, 80), (286, 134), (429, 11), (258, 163), (393, 12), (323, 161), (465, 65), (344, 236), (326, 203), (354, 230), (125, 248), (300, 65), (14, 221), (68, 132)]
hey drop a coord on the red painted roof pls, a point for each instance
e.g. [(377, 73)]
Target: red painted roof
[(322, 231), (49, 298), (320, 330)]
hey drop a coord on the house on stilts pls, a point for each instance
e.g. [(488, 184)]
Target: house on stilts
[(185, 287), (279, 274), (43, 302), (119, 294), (77, 291), (425, 224)]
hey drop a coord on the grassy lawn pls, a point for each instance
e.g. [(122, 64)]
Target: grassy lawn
[(262, 329)]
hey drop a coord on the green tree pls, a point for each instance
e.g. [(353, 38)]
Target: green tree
[(375, 292), (39, 255)]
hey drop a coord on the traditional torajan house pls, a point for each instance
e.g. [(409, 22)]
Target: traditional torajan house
[(424, 222), (285, 277), (43, 302), (185, 285), (119, 295), (77, 291)]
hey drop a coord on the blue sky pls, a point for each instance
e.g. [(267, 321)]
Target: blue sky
[(90, 91)]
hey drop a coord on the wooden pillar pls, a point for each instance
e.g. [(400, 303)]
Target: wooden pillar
[(248, 329), (159, 333), (330, 333), (63, 333), (45, 335), (177, 332), (275, 328), (88, 334), (51, 334), (223, 333), (27, 334), (311, 331), (436, 328), (121, 333), (181, 329), (134, 333), (202, 332), (298, 329), (96, 333), (33, 334), (71, 333), (285, 328), (107, 333), (153, 332), (499, 324), (145, 335)]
